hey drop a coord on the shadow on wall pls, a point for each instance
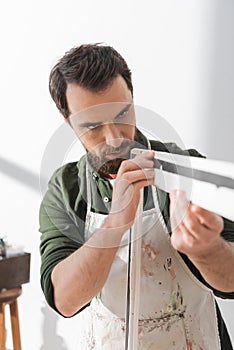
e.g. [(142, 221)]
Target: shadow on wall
[(51, 340), (24, 176)]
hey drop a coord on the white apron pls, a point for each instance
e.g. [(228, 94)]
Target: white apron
[(176, 311)]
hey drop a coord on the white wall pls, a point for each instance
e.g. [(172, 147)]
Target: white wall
[(181, 55)]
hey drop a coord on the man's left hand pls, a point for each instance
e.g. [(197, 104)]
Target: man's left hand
[(194, 230)]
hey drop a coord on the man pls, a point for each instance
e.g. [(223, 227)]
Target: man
[(91, 204)]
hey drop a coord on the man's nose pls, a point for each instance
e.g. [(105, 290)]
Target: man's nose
[(113, 135)]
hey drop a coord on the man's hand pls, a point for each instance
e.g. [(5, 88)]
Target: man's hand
[(195, 231), (133, 175)]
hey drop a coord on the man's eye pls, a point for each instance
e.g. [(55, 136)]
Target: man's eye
[(92, 126), (122, 115)]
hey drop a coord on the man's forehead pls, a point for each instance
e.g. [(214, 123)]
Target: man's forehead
[(81, 99)]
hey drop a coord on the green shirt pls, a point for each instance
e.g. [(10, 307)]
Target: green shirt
[(63, 213)]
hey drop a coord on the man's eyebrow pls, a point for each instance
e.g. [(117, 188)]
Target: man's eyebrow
[(88, 124), (125, 109)]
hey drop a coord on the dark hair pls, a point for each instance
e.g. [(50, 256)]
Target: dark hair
[(91, 66)]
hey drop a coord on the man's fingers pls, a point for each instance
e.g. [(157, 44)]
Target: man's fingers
[(128, 194), (145, 176), (195, 228), (178, 208), (208, 219), (138, 175), (142, 161), (133, 175)]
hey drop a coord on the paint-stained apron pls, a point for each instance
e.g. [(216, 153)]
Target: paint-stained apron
[(176, 311)]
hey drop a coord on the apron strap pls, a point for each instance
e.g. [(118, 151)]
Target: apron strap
[(88, 187)]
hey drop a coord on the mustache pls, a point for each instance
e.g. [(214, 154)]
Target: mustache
[(124, 144)]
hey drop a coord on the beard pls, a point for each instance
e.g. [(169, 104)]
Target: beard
[(106, 166)]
